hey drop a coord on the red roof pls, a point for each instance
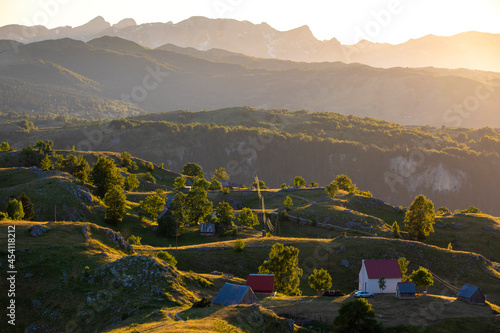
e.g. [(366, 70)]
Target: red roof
[(261, 283), (389, 269)]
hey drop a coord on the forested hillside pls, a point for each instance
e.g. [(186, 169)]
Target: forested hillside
[(111, 77), (454, 167)]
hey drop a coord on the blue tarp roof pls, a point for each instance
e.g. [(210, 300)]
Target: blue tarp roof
[(467, 290), (232, 294), (406, 287)]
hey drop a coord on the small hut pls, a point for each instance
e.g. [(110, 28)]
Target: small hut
[(207, 229), (405, 290), (261, 283), (234, 294), (471, 294)]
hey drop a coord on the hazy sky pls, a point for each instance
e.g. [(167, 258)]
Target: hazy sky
[(392, 21)]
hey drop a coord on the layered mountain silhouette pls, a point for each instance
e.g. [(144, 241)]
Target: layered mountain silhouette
[(473, 50), (135, 78)]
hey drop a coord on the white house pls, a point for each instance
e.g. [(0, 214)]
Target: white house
[(372, 270)]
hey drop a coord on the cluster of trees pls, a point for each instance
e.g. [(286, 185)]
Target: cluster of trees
[(283, 262), (20, 208), (344, 183)]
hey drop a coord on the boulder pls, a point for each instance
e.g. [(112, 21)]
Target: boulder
[(37, 230)]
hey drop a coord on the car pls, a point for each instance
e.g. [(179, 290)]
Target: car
[(363, 294)]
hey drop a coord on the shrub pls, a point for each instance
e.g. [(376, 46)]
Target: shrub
[(203, 303), (167, 257), (239, 245), (134, 240), (471, 210)]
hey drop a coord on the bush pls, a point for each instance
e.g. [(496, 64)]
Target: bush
[(134, 240), (167, 257), (3, 216), (203, 303), (147, 177), (225, 190), (239, 245), (471, 210)]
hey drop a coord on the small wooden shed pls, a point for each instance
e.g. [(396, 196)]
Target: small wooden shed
[(405, 290), (207, 229), (233, 294), (261, 283), (471, 294)]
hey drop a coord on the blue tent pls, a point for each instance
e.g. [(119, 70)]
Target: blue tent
[(234, 294)]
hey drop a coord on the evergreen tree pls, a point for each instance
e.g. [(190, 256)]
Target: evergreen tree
[(403, 266), (116, 205), (395, 230), (284, 264), (46, 163), (29, 212), (105, 175), (288, 203)]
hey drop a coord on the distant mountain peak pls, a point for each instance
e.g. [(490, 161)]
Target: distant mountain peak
[(128, 22)]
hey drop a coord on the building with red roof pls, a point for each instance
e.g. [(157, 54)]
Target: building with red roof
[(372, 270), (261, 283)]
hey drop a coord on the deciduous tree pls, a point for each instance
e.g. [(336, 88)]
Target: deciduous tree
[(192, 169), (247, 217), (153, 205), (320, 280), (356, 316), (422, 278), (419, 218), (224, 213), (299, 182), (332, 189)]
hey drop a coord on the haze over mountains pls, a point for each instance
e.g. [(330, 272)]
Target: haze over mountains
[(471, 50), (110, 77)]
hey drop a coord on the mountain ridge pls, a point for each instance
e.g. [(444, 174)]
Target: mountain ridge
[(473, 50)]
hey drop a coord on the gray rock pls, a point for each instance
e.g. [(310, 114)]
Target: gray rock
[(36, 303), (84, 231), (37, 230), (352, 225), (340, 249), (345, 263), (28, 276), (489, 228)]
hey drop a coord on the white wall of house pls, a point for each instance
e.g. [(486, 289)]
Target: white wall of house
[(371, 285)]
